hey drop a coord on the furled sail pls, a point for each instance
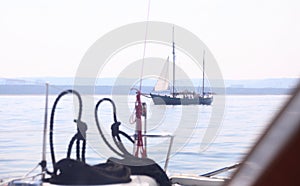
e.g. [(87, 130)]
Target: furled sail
[(162, 83)]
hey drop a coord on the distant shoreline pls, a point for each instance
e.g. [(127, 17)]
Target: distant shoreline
[(125, 90)]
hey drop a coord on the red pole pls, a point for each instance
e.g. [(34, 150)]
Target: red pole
[(138, 130)]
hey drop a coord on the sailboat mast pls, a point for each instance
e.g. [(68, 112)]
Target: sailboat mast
[(203, 66), (173, 93)]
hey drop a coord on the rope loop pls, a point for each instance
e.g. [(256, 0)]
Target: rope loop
[(79, 136)]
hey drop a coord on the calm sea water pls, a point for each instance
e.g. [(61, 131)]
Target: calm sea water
[(245, 117)]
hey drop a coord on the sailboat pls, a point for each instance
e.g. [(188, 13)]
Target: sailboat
[(178, 98)]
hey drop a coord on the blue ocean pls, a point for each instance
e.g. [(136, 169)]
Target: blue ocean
[(240, 124)]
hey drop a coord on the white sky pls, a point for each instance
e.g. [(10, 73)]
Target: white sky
[(250, 39)]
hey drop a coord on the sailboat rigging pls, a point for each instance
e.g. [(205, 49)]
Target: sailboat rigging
[(178, 98), (173, 64)]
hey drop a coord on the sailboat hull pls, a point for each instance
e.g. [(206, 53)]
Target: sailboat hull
[(168, 100)]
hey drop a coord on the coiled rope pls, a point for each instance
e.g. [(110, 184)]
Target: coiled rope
[(81, 130), (115, 132)]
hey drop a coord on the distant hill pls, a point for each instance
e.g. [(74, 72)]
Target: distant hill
[(263, 83), (259, 83), (40, 89), (109, 86)]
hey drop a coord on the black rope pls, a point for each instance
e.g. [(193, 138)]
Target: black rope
[(127, 136), (81, 136), (81, 129), (114, 130), (78, 149), (83, 150), (71, 145)]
